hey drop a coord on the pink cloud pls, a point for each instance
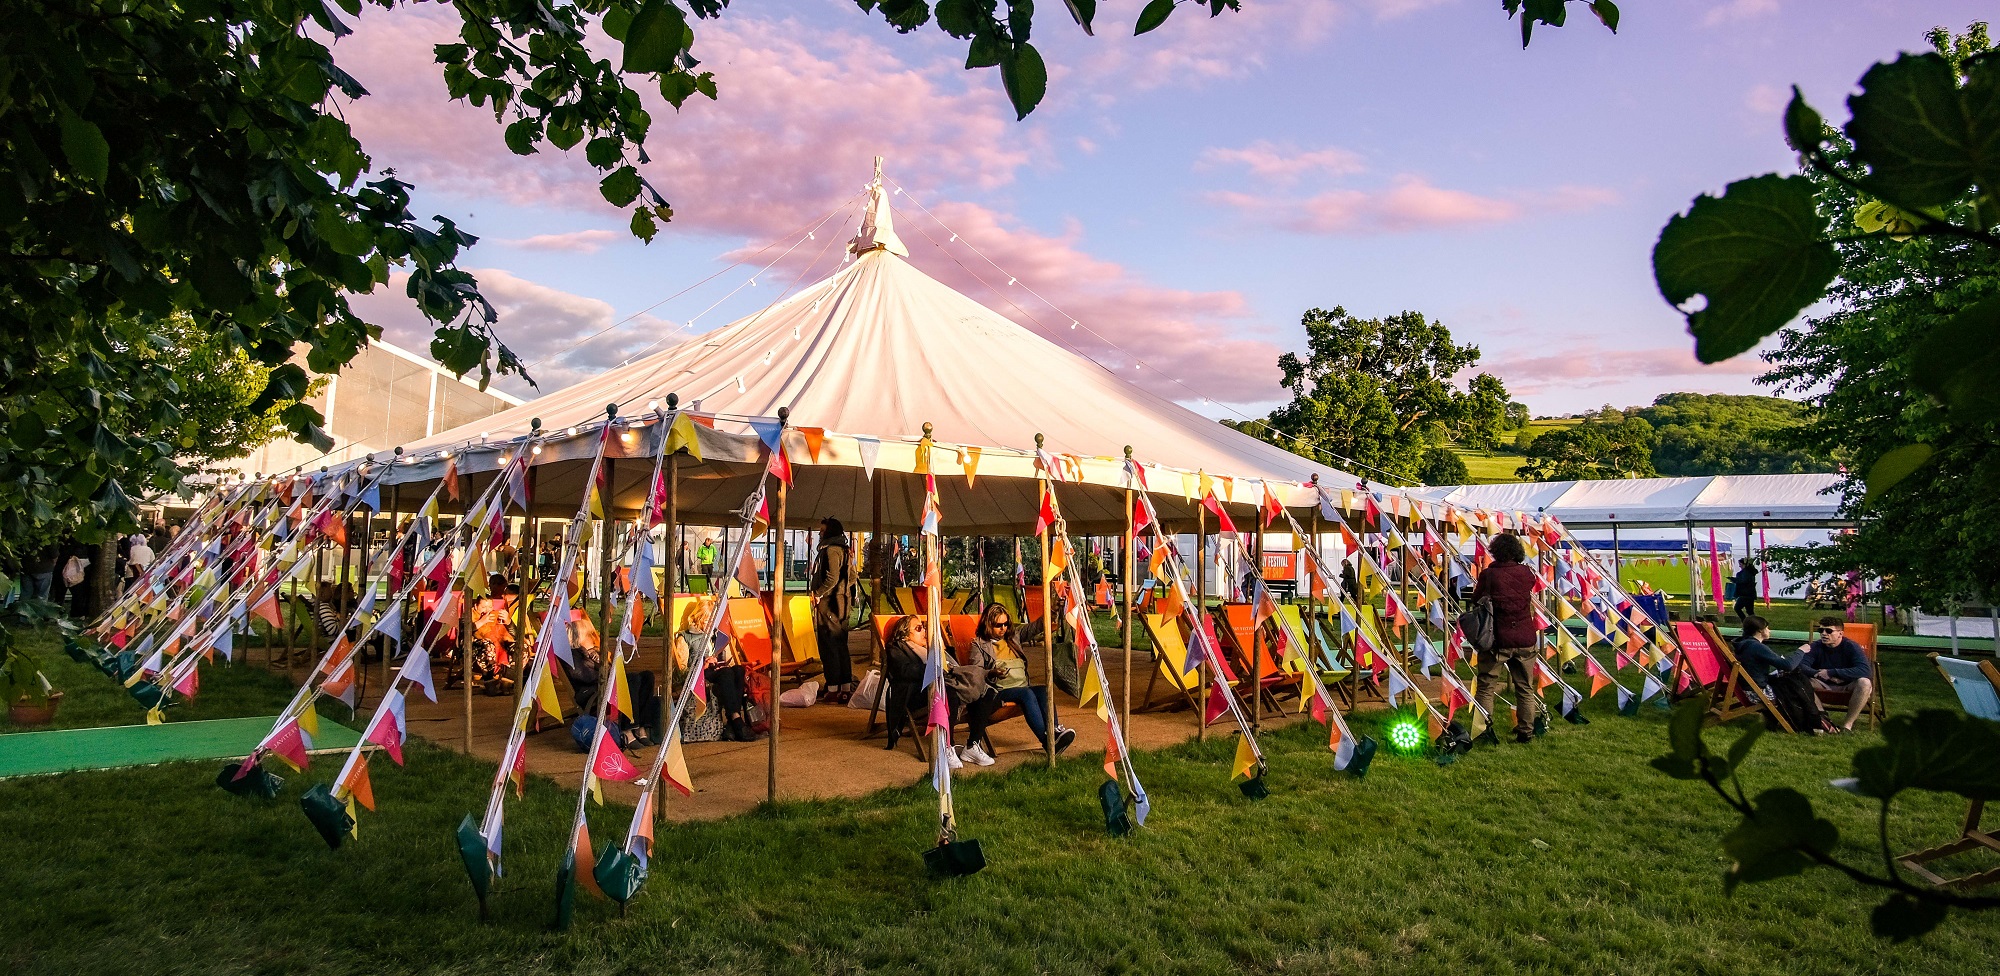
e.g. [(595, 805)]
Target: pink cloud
[(1409, 204), (1282, 164), (1190, 49), (1738, 10), (579, 241), (803, 113), (1583, 364)]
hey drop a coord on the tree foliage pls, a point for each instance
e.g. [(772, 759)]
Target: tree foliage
[(1606, 446), (1377, 393), (1443, 466), (1709, 434)]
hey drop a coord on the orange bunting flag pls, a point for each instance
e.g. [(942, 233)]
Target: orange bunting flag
[(969, 457), (1271, 507), (1542, 677), (586, 860), (358, 788), (780, 465), (1598, 679), (519, 773), (1436, 727), (451, 478), (815, 436), (267, 608), (642, 820)]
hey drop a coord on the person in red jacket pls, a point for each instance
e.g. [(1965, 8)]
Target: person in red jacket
[(1511, 585)]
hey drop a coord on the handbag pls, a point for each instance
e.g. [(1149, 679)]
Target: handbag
[(866, 693), (1065, 673), (706, 727), (1477, 624)]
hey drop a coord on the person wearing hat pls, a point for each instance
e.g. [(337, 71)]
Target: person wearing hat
[(832, 578)]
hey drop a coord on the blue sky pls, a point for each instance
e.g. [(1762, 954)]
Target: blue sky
[(1187, 194)]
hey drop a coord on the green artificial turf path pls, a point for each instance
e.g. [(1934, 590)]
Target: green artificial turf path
[(1568, 856), (63, 750)]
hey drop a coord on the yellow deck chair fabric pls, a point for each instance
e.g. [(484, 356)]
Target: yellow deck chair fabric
[(1006, 597), (1295, 629), (906, 599), (799, 627), (1171, 650)]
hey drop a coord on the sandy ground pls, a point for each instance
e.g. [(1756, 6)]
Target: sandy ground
[(824, 751)]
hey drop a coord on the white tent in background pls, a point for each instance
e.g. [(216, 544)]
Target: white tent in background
[(1790, 500), (871, 355)]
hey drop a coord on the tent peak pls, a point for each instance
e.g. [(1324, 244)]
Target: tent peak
[(878, 225)]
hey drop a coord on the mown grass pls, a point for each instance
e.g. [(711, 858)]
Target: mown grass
[(1567, 856)]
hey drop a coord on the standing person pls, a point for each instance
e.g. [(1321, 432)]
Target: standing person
[(832, 579), (41, 571), (138, 559), (1511, 586), (707, 556), (1837, 663), (994, 650), (1746, 589)]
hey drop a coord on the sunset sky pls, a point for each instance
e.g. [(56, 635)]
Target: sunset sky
[(1185, 195)]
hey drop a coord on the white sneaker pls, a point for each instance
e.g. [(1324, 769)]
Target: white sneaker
[(977, 756), (951, 759)]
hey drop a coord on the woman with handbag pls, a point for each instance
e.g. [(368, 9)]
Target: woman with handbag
[(994, 651), (966, 692), (832, 580), (1511, 585)]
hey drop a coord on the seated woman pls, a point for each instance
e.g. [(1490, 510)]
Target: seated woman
[(723, 672), (1782, 678), (587, 677), (966, 697), (994, 649), (492, 629)]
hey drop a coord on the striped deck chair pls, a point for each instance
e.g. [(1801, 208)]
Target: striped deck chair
[(1878, 705), (1978, 688), (1239, 637), (1737, 696)]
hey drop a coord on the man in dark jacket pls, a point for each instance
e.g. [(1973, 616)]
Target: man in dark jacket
[(1746, 589), (833, 604), (1837, 663), (1511, 585)]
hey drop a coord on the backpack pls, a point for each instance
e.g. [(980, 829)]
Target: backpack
[(72, 573), (1477, 623)]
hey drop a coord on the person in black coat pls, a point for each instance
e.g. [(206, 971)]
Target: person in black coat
[(1746, 589)]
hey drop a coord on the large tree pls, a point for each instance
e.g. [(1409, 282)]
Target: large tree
[(1378, 393), (1605, 446)]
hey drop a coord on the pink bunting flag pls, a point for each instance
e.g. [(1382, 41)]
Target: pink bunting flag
[(1218, 703), (940, 716), (288, 743), (190, 681), (611, 761), (389, 727)]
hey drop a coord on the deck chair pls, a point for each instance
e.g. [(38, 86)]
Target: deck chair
[(1239, 635), (1031, 609), (799, 628), (907, 600), (1699, 659), (1007, 597), (959, 601), (1843, 699), (1295, 624), (1978, 687), (1169, 656), (1737, 696)]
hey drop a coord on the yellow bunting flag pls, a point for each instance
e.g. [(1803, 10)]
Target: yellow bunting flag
[(1246, 759), (545, 695), (1089, 690), (682, 436), (154, 716), (309, 724), (676, 770), (621, 691)]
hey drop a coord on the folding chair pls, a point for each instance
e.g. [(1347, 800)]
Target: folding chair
[(1843, 698), (882, 624), (1169, 654), (1255, 655), (799, 628), (1330, 675), (1738, 696), (1008, 598), (1978, 687)]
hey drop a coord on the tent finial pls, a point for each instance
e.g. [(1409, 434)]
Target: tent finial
[(878, 225), (673, 401)]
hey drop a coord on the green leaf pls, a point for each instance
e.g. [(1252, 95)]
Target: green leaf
[(1757, 253), (1025, 77), (959, 18), (1770, 844), (643, 226), (1153, 15), (1925, 139), (657, 36), (1084, 11), (1804, 129), (985, 51), (1893, 467), (1607, 13), (603, 151), (522, 134), (621, 187), (905, 15), (83, 144), (1902, 918), (676, 87), (617, 21), (1955, 361), (1935, 750)]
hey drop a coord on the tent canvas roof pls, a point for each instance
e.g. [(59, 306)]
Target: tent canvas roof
[(1721, 499), (879, 349)]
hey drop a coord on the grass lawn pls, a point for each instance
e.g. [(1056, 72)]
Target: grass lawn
[(1568, 856)]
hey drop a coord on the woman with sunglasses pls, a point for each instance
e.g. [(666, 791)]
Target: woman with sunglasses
[(994, 648)]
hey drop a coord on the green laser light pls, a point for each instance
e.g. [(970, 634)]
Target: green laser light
[(1405, 735)]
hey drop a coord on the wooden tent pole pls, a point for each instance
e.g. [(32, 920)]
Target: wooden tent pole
[(1048, 617), (876, 561), (604, 536), (780, 638), (465, 611), (1200, 614), (395, 539), (520, 571), (1128, 578), (1256, 630)]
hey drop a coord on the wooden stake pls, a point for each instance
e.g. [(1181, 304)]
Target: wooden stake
[(1048, 622), (1200, 615), (780, 639), (1129, 582)]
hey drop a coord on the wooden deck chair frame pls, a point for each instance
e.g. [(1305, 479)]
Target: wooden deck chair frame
[(1240, 618), (880, 624), (1971, 835), (1729, 700)]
